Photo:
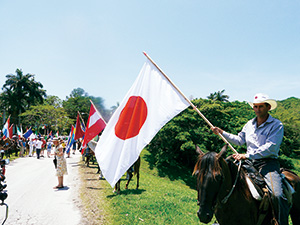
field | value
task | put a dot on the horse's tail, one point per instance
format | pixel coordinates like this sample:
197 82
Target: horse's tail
137 165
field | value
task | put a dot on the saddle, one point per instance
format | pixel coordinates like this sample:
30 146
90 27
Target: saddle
257 184
260 192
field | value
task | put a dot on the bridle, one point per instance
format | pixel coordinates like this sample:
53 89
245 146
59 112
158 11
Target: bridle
225 199
234 184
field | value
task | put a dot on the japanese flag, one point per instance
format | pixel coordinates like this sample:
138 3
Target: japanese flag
150 103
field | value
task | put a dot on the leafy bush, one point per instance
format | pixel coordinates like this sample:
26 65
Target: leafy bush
174 144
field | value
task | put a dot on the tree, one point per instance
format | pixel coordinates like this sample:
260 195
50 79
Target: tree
53 100
19 93
218 96
47 115
79 101
288 112
114 108
174 145
99 103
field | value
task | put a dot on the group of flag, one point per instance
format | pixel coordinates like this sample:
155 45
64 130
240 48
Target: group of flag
151 102
7 131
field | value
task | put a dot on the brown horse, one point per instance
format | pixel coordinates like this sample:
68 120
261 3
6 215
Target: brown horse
215 179
136 170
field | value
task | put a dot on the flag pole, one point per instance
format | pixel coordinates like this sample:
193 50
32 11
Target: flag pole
191 104
80 117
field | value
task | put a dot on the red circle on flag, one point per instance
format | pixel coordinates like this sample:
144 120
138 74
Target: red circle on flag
132 118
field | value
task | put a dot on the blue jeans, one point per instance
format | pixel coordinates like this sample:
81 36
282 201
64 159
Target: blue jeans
270 170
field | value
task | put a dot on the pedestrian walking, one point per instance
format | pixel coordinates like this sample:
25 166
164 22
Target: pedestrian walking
31 144
43 146
61 169
63 144
34 145
22 143
49 147
74 147
38 145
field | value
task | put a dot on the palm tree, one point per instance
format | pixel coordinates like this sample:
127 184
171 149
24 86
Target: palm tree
19 93
218 96
212 96
114 108
221 97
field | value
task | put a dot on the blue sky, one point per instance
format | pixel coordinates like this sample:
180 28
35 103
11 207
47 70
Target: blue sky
244 47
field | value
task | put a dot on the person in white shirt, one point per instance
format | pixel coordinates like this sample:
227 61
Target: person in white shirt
38 146
263 136
31 144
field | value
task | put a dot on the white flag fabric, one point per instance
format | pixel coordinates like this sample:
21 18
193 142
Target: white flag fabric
150 103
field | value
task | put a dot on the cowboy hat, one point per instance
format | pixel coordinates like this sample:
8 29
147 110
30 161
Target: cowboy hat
263 98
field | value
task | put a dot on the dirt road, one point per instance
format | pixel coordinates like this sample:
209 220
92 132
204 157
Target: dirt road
31 197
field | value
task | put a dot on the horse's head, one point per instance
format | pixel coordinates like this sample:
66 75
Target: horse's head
210 178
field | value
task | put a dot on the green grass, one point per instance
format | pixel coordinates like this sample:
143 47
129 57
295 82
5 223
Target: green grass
159 200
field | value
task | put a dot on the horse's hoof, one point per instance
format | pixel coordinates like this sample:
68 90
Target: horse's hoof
116 192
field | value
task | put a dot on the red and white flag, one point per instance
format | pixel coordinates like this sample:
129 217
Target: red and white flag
10 131
78 132
5 129
94 126
150 103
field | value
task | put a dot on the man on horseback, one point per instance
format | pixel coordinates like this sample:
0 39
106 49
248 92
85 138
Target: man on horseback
263 136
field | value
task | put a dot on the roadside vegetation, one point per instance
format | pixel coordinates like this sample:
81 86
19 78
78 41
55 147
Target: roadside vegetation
159 200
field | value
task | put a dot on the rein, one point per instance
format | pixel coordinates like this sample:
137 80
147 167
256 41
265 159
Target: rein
232 189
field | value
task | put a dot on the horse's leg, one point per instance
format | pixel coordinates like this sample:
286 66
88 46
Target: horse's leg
137 172
130 177
117 188
94 159
137 180
295 210
87 160
100 172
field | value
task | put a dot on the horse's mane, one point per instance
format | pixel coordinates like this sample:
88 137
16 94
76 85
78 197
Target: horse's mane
209 163
205 164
